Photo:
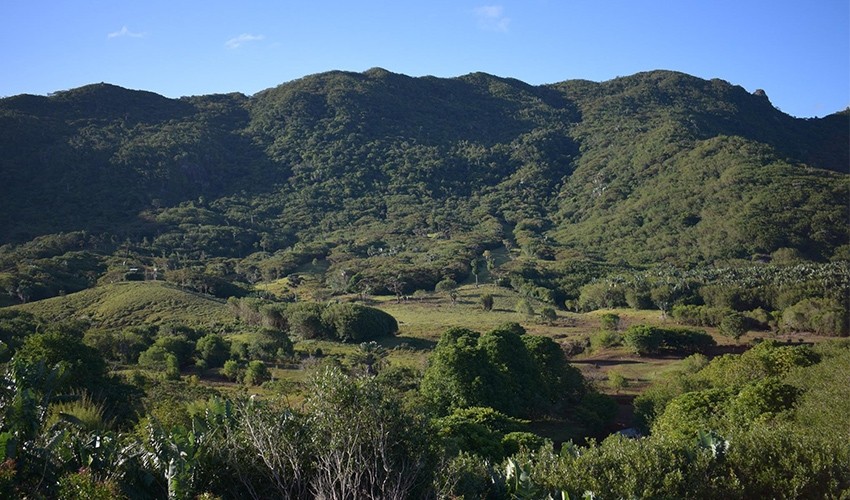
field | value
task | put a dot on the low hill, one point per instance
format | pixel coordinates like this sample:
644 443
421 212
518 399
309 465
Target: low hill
132 303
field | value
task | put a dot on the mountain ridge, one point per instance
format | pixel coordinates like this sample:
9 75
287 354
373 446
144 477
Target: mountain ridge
386 175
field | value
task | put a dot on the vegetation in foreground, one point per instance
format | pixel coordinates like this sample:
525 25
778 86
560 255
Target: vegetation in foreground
363 421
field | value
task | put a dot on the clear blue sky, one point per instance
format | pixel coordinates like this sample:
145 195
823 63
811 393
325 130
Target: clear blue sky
797 51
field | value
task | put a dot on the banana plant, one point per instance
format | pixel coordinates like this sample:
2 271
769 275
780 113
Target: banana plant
178 453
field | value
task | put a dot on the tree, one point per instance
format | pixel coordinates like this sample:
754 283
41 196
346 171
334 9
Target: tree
502 369
524 307
549 315
371 355
475 267
488 258
456 371
231 369
83 366
448 286
256 373
212 349
479 430
172 367
365 443
356 322
662 296
692 412
734 325
305 320
397 285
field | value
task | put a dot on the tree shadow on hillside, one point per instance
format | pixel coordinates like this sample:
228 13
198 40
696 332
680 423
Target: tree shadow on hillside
412 343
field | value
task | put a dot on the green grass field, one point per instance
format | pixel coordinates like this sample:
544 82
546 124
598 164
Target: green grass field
132 303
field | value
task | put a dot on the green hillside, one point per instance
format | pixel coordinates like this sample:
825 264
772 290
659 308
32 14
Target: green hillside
133 303
392 183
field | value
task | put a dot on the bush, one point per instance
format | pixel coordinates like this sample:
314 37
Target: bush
515 374
691 412
638 299
357 323
596 411
256 373
549 315
617 381
610 321
154 358
305 320
212 349
178 345
699 315
645 339
513 442
524 307
487 302
600 295
479 430
734 325
231 370
605 339
821 316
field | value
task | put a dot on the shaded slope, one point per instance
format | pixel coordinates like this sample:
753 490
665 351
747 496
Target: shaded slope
396 176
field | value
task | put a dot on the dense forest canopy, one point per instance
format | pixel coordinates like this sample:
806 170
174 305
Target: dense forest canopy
384 175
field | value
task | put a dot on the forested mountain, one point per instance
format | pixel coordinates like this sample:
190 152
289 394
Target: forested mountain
396 182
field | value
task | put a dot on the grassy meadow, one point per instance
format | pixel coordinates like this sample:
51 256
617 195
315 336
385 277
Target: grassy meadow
422 318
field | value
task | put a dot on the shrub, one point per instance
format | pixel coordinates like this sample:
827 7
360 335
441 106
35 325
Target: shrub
513 442
600 295
515 374
734 325
256 373
154 358
605 339
357 323
212 349
617 381
549 315
638 299
305 320
821 316
596 411
691 412
687 314
524 307
610 321
231 369
645 339
487 302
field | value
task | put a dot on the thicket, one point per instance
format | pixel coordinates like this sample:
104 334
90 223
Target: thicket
800 297
767 423
519 375
345 322
646 339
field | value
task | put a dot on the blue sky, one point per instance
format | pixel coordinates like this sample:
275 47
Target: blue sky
798 52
